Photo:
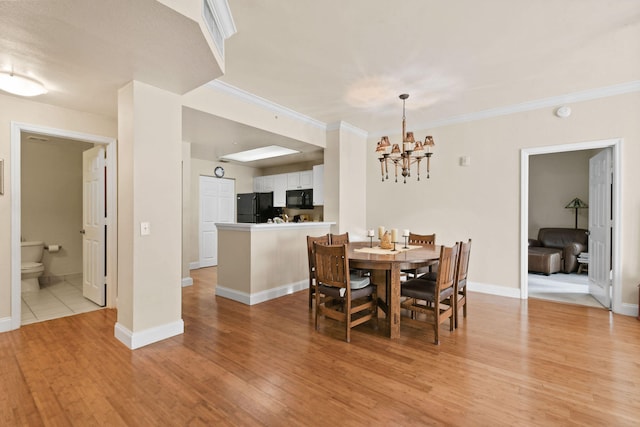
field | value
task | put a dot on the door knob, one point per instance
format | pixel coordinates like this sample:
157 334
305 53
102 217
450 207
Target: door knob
81 231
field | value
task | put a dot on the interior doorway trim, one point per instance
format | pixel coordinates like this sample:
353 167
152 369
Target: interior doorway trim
616 146
112 209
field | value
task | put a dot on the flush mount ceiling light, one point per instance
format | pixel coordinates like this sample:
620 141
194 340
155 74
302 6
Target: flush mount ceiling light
259 154
20 85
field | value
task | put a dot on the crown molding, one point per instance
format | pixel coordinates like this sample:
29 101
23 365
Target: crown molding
225 19
587 95
347 127
264 103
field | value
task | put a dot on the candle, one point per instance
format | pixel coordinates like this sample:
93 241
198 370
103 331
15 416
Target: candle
394 234
370 233
380 232
405 233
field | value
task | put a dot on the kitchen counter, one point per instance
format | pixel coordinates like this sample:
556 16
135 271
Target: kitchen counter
259 262
274 226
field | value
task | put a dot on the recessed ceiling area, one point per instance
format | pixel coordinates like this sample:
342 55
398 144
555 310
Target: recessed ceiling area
212 137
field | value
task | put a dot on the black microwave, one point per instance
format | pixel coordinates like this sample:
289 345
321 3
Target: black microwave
300 199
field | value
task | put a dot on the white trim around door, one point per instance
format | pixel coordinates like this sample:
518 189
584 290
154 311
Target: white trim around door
112 209
616 146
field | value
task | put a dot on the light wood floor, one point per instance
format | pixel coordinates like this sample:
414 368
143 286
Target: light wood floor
509 363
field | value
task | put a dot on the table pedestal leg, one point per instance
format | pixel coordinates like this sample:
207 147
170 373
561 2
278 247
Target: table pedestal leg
394 302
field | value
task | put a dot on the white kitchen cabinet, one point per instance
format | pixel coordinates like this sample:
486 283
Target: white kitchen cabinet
280 190
268 184
318 185
258 184
300 180
306 179
293 181
263 184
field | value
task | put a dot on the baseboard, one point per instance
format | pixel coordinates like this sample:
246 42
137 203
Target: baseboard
486 288
625 308
134 340
187 281
194 265
628 309
6 324
257 298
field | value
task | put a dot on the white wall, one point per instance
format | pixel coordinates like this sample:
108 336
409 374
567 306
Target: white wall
149 190
345 180
554 181
243 109
482 201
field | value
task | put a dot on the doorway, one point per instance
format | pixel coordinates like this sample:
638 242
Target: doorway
615 146
17 130
217 204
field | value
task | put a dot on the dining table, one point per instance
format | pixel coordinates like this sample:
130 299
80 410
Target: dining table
387 265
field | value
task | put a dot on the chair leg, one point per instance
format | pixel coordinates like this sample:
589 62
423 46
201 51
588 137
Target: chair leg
464 307
347 311
318 308
374 299
311 293
436 323
455 310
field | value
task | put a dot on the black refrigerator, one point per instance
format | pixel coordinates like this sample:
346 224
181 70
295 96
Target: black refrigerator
255 207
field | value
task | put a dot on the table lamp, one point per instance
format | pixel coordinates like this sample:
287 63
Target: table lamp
576 204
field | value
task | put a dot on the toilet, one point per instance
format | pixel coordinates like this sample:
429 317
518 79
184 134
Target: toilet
31 267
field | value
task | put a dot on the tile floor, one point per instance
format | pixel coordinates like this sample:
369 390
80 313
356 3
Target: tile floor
570 288
63 298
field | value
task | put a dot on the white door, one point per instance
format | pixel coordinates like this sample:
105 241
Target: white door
93 225
217 204
600 223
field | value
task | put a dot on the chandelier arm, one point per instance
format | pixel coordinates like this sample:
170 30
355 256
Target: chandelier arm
386 168
395 162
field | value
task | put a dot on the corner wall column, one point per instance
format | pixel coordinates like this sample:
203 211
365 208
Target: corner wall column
149 191
345 179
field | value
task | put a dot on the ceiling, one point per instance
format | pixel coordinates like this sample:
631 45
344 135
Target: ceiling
330 60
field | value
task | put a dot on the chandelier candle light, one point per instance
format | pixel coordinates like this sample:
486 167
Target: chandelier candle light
410 153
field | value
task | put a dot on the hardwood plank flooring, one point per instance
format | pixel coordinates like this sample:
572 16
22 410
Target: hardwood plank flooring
510 362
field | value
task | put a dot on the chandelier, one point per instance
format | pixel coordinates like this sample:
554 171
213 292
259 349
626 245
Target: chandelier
410 153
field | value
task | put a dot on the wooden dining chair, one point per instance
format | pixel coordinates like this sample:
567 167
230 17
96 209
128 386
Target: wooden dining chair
348 299
323 240
462 270
436 298
423 240
339 239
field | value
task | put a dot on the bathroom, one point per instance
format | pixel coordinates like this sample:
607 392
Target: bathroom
51 212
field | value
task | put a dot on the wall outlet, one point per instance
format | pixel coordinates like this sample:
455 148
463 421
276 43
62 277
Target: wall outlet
145 228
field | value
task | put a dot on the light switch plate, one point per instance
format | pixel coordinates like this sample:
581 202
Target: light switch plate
145 228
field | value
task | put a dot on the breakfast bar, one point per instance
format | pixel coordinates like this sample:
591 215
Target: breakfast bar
259 262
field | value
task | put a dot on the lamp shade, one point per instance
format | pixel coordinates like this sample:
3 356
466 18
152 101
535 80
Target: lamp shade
576 204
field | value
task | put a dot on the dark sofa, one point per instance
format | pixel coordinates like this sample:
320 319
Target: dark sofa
557 249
